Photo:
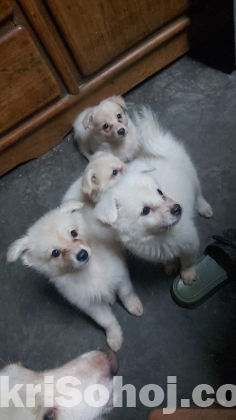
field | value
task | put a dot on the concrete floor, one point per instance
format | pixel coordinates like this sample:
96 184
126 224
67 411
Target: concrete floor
42 331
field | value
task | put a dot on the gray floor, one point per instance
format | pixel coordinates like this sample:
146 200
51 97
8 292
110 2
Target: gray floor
42 331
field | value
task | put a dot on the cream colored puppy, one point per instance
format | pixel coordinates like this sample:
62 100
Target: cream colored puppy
152 207
52 402
83 261
107 127
102 172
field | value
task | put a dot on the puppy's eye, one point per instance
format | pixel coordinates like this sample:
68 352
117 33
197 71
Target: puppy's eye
119 116
74 233
56 253
115 172
146 210
159 191
105 126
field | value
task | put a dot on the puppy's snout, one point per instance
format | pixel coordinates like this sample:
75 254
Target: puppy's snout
82 255
176 210
121 132
113 361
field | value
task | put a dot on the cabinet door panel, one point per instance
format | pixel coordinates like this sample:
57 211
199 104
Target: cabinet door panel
98 31
5 9
26 83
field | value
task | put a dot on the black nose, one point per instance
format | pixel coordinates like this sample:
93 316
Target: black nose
82 255
176 210
121 132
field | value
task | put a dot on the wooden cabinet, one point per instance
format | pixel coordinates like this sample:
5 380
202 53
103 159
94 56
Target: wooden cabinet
59 56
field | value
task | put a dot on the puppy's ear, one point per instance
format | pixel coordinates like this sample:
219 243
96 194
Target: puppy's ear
98 154
71 206
88 120
12 370
148 169
119 101
106 209
90 182
20 249
141 168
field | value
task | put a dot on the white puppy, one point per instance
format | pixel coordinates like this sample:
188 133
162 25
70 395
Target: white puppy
90 369
152 207
101 173
107 127
84 262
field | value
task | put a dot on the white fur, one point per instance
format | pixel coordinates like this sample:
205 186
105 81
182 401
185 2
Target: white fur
90 369
91 137
158 236
98 177
91 284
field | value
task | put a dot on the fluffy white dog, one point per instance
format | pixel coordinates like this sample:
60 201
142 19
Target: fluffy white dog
83 261
102 172
90 369
107 127
152 206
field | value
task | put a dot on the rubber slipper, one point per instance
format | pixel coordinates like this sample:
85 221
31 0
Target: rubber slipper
214 270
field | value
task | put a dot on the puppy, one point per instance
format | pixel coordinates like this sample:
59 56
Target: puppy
152 207
90 369
101 173
83 261
107 127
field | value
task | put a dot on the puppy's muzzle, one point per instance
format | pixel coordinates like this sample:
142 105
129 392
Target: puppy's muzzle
176 210
82 255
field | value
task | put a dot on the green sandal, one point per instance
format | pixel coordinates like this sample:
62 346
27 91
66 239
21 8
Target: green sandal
214 270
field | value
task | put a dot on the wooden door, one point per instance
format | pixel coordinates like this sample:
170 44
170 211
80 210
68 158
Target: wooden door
98 31
5 9
26 83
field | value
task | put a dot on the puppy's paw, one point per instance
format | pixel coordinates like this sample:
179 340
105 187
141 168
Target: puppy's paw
171 267
188 275
134 306
115 339
205 209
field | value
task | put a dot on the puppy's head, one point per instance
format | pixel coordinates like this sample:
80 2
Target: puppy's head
137 207
69 395
102 172
56 244
108 119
